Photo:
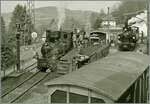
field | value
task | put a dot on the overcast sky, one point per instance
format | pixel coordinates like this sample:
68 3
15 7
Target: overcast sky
8 6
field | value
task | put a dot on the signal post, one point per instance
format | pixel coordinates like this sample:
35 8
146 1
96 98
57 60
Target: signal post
18 33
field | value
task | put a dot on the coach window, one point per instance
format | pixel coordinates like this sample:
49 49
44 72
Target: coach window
97 100
76 98
59 97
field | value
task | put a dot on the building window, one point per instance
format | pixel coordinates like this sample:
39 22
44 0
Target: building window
65 36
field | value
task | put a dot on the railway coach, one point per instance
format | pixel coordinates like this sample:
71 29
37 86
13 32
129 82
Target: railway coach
118 78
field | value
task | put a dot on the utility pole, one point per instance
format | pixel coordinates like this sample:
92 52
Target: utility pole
108 26
30 9
148 28
18 46
31 13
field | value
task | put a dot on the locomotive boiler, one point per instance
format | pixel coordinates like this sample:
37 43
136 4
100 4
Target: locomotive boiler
57 44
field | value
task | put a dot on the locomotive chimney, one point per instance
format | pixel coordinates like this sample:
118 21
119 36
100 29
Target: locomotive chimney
60 29
60 33
48 33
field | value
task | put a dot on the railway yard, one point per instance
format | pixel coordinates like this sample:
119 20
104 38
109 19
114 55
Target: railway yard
29 86
82 56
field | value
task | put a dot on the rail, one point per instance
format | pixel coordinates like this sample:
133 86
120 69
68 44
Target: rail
31 66
16 98
10 71
23 81
19 84
36 78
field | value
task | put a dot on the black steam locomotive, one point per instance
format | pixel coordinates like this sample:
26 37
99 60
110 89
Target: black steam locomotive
57 44
127 40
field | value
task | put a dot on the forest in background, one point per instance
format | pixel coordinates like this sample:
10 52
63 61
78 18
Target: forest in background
128 6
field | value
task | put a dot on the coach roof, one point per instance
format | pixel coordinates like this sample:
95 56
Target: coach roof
110 76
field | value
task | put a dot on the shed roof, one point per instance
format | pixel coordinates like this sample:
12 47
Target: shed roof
110 76
99 32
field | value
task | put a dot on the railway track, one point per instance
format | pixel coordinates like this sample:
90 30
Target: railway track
23 87
29 68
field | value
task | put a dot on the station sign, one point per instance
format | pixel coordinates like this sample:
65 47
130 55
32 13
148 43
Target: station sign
34 35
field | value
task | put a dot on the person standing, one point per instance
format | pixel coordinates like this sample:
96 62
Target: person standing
74 38
74 63
142 37
81 38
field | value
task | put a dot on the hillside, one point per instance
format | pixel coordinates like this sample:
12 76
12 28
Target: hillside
45 15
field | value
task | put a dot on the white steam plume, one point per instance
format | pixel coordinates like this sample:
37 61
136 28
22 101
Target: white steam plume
140 21
88 24
61 13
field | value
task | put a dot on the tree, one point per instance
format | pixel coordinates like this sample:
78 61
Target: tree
3 31
7 57
20 16
96 19
29 27
102 13
128 6
70 23
97 23
93 18
8 46
6 50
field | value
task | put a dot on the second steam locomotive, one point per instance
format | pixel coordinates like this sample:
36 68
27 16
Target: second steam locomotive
127 40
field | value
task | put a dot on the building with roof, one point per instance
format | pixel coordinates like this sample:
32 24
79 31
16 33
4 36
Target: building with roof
108 20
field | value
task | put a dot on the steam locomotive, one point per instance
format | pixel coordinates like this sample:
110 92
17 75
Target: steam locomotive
56 45
127 40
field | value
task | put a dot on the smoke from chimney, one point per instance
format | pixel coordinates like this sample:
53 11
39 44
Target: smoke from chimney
61 14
